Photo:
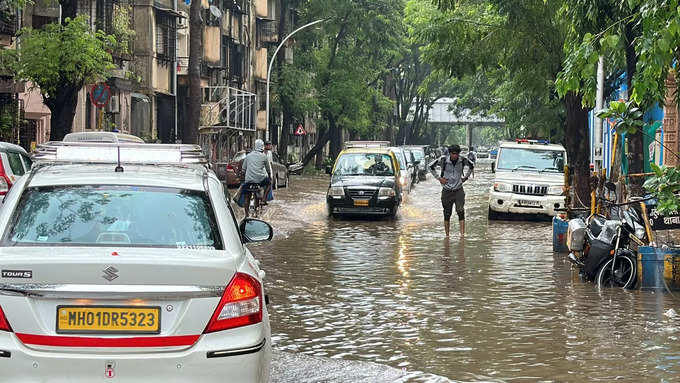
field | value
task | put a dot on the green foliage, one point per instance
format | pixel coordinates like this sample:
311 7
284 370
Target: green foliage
58 56
628 116
664 186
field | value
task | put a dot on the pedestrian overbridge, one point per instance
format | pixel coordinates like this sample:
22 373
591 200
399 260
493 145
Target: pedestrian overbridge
441 114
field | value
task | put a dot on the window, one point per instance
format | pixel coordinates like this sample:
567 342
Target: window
364 164
122 215
166 36
27 162
236 61
15 163
261 89
224 51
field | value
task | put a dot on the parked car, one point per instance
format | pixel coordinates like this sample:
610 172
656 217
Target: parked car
405 171
411 161
419 154
102 137
124 269
528 179
15 163
364 182
280 177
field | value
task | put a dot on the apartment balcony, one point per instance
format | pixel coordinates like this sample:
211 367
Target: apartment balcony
8 26
267 31
227 108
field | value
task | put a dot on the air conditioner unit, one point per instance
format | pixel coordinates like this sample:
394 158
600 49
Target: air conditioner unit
113 105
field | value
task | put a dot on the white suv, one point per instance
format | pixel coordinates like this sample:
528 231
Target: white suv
126 261
529 179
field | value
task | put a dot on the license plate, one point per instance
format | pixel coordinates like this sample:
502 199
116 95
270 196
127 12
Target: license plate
529 203
361 202
108 320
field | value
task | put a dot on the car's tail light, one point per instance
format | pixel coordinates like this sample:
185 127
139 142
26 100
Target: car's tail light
5 183
4 324
241 305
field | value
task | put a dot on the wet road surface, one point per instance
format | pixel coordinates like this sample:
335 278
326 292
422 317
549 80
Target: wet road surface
496 306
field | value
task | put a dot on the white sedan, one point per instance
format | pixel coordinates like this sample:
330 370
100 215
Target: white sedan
130 270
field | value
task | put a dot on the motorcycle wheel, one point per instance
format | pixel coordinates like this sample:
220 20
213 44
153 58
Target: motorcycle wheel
623 276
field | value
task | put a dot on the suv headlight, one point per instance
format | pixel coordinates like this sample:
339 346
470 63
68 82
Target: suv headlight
336 191
555 190
502 187
386 192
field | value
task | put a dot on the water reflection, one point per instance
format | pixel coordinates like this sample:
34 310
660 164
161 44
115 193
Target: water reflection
496 306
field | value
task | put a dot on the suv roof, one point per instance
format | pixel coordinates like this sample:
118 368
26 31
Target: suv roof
524 145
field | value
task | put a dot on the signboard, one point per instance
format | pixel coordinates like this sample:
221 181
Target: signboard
100 95
663 222
300 131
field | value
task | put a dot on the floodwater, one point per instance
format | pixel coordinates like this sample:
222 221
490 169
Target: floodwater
496 306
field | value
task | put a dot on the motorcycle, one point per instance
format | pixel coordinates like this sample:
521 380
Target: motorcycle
603 248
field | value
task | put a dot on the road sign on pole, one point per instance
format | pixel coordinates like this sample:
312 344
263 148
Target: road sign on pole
100 95
300 131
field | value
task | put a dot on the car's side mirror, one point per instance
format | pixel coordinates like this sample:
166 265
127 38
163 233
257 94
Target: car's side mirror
417 163
255 230
329 170
493 167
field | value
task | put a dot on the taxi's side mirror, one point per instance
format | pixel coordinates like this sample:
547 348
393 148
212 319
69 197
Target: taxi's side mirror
329 170
255 230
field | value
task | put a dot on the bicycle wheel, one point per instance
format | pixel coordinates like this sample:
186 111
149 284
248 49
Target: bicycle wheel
622 275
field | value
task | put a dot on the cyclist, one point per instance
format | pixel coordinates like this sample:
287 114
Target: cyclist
257 174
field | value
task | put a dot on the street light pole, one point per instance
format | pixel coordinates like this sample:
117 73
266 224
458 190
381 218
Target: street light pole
271 64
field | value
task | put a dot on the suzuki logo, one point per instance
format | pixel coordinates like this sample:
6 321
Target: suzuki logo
110 273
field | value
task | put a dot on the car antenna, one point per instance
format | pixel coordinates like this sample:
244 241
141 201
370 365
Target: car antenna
119 169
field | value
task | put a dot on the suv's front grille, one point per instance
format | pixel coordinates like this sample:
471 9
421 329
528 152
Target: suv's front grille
361 193
530 189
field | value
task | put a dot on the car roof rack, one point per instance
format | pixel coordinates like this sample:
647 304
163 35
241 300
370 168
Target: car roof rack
111 137
367 144
115 153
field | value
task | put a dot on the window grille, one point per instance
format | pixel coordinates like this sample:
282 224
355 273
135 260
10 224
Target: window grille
166 36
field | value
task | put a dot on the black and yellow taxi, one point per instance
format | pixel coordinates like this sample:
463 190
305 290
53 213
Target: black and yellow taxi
364 181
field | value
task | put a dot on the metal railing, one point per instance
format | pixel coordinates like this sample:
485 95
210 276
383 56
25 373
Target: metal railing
225 107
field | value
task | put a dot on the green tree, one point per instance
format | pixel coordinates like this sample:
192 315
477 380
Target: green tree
349 56
518 46
61 60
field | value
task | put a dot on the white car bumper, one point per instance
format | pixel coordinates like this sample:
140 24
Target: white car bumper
212 358
525 204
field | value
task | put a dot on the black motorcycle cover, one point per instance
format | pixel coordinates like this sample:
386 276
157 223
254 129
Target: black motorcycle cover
599 253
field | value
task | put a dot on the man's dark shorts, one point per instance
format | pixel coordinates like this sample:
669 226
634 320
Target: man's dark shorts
451 197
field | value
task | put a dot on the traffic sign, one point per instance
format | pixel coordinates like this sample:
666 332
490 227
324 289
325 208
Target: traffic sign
100 95
300 131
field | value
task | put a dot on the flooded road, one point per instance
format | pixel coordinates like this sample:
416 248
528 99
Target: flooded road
496 306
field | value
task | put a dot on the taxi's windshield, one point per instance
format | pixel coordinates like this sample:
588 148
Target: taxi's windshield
114 215
364 164
531 160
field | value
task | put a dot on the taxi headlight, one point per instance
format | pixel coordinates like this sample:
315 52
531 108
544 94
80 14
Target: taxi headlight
336 191
386 192
502 187
555 190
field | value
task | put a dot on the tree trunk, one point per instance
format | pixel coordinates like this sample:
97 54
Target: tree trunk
577 145
335 136
320 143
63 108
193 121
282 140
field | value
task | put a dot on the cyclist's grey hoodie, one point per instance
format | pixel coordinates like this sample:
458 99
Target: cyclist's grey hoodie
255 165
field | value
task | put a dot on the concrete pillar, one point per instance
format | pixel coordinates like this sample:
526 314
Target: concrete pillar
670 122
468 135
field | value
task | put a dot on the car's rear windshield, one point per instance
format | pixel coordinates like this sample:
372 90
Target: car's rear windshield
419 154
114 215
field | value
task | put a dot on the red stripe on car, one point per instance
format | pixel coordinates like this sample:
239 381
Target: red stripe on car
73 341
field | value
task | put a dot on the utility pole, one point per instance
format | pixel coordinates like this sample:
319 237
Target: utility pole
193 121
599 104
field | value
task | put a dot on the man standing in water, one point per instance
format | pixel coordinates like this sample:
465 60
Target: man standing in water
452 179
